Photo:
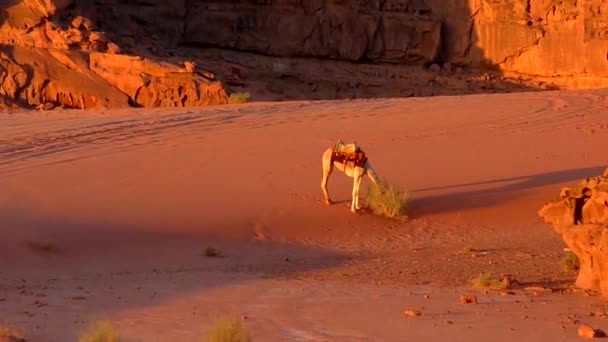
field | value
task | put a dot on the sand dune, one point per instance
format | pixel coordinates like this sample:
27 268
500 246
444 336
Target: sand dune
130 198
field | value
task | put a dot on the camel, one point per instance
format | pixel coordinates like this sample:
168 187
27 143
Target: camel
351 160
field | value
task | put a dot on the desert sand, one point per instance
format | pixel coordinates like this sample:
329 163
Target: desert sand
107 214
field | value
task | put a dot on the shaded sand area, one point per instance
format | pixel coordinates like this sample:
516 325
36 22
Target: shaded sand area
108 215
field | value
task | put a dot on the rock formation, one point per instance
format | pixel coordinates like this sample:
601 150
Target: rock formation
559 44
580 215
540 37
386 48
48 61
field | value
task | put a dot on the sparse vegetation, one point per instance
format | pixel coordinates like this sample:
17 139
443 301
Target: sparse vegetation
487 280
101 331
44 246
388 200
211 252
468 250
236 98
570 262
464 299
10 334
228 330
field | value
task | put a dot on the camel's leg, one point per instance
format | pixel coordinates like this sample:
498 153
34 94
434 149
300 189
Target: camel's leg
324 180
356 185
327 169
357 206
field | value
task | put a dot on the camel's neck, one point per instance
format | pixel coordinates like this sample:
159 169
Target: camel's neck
372 174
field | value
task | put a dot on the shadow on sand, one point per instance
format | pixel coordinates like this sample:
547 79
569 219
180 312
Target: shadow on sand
147 267
473 199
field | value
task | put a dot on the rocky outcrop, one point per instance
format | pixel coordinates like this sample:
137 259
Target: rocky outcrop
154 83
47 78
365 30
29 24
580 215
561 43
400 32
35 77
49 57
537 37
540 37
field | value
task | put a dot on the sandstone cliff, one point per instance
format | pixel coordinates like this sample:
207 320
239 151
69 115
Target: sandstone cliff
541 37
51 57
314 49
580 215
306 49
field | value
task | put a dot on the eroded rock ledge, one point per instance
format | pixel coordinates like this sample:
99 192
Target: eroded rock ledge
289 49
580 215
47 61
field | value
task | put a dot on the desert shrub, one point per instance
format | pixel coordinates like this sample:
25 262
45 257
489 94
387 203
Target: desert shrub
239 98
228 330
487 280
468 250
211 252
100 331
387 200
43 246
570 262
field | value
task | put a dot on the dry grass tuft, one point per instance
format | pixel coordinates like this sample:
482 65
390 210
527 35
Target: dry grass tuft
487 280
211 252
570 262
388 200
228 330
236 98
468 250
101 331
43 246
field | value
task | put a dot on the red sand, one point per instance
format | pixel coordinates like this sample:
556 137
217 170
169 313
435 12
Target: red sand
131 198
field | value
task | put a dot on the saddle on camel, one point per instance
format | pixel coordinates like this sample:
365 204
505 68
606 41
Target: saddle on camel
348 153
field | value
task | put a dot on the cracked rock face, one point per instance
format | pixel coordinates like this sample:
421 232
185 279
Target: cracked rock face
542 38
538 37
51 57
580 215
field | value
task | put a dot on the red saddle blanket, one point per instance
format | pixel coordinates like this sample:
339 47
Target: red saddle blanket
357 158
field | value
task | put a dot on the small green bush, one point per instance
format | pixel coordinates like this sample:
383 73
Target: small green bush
388 200
487 280
211 252
101 331
43 246
228 330
236 98
468 250
570 262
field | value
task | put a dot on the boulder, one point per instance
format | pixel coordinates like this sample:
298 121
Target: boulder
587 331
580 216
